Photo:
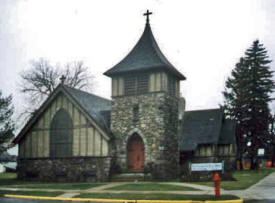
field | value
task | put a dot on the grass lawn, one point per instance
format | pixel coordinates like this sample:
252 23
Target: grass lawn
151 187
61 186
34 193
9 176
9 179
245 179
160 196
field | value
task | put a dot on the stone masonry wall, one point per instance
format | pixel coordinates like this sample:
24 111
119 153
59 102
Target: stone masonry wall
79 169
157 125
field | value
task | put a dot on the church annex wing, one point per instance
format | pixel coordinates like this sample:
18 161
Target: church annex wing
202 127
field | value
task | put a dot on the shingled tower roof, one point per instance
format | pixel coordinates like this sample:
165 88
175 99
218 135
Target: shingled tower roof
146 55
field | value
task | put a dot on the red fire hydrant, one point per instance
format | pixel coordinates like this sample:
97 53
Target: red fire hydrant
217 182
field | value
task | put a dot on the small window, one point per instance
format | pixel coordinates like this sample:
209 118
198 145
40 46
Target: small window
136 113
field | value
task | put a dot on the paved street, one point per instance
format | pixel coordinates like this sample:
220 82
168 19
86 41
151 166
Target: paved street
8 200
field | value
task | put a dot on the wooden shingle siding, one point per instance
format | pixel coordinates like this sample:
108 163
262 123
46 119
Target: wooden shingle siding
40 143
225 150
114 87
117 86
120 86
171 86
90 140
85 141
161 81
21 149
34 144
76 142
158 82
142 83
136 84
104 148
152 83
164 82
28 146
46 149
177 88
130 85
205 151
97 143
147 82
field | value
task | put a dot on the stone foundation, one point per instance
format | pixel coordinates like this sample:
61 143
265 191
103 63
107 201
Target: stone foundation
78 169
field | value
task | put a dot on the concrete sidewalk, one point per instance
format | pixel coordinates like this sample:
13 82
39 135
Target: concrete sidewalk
264 189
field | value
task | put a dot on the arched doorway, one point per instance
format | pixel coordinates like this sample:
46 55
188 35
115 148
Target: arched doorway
135 153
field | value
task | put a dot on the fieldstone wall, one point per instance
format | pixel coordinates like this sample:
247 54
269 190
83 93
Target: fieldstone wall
158 127
78 169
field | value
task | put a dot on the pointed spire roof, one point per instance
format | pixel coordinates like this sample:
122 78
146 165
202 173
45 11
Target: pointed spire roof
145 56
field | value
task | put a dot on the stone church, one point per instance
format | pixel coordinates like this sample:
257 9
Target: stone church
78 136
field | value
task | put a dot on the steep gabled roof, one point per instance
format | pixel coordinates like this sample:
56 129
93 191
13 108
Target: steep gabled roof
146 55
200 127
94 106
228 129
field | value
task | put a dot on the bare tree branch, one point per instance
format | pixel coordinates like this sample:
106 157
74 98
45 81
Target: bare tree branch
38 82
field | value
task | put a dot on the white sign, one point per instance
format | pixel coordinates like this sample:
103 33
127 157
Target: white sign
260 152
207 167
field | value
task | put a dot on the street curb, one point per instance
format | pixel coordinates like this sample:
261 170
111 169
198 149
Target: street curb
118 200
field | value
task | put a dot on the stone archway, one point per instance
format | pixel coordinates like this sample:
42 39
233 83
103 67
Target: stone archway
135 153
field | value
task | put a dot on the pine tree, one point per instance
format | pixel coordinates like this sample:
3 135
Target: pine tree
247 96
6 123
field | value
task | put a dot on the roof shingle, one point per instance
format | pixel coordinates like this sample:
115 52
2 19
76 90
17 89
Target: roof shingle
146 55
205 127
97 107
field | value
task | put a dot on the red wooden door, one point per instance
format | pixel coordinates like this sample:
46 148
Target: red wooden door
136 156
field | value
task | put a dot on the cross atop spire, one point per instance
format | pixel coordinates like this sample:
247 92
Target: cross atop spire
147 15
62 79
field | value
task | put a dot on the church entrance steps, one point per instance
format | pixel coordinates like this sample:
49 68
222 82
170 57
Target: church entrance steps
131 177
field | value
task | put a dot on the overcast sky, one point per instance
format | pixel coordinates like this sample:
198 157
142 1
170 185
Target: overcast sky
202 38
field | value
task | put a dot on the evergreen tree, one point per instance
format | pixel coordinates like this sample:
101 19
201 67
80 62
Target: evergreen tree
6 123
247 95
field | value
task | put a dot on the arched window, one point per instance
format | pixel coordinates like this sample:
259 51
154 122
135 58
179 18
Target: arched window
61 134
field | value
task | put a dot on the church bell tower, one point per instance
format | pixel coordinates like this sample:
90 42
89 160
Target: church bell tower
144 114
